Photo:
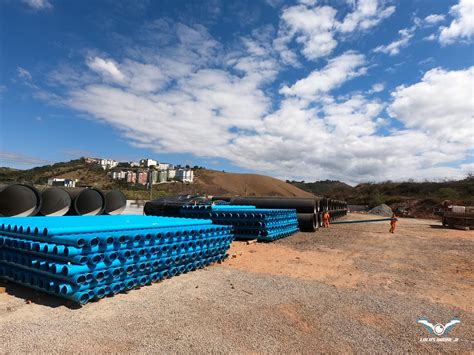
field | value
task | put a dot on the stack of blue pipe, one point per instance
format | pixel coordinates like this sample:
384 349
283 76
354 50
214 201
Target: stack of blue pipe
84 258
248 222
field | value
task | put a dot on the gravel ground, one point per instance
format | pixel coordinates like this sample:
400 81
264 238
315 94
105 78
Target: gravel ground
352 288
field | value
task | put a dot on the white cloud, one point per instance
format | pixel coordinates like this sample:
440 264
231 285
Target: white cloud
315 28
378 87
24 74
187 96
107 68
38 4
367 14
433 19
393 48
462 27
440 105
17 159
431 37
312 27
335 73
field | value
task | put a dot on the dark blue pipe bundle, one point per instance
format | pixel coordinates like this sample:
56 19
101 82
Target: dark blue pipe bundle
83 258
248 222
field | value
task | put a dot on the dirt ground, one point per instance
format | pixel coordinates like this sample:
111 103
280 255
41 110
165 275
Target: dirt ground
350 288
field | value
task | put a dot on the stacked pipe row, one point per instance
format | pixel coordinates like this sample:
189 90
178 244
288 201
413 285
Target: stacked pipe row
306 208
20 200
248 222
84 258
336 208
309 210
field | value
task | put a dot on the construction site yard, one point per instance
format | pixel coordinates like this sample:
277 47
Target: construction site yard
349 288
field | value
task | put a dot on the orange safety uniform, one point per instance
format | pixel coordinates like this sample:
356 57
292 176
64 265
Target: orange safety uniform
393 224
326 218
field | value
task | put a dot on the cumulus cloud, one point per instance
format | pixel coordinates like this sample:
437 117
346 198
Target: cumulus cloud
192 94
462 27
312 27
38 4
106 67
316 28
367 14
449 116
336 72
433 19
393 48
377 87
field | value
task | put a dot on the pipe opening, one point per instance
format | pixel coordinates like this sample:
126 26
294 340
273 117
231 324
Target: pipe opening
89 202
56 202
19 200
115 202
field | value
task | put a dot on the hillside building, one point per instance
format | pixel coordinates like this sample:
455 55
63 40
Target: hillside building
162 176
131 177
153 177
119 175
185 175
171 174
142 178
62 182
147 163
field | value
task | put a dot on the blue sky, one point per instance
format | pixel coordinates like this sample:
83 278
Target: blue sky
352 90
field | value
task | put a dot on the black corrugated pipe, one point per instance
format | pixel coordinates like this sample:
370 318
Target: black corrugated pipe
19 200
56 202
86 202
158 208
302 205
307 222
222 198
115 202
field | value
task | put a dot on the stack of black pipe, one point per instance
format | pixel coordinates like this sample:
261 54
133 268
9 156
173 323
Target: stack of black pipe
306 208
336 208
309 209
21 200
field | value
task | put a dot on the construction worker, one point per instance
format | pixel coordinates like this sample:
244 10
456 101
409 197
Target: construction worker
393 223
326 218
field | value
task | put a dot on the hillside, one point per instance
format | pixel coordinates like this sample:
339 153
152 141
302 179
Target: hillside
206 181
335 189
418 197
220 183
88 174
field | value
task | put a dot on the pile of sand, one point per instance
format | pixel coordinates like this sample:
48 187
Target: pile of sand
382 210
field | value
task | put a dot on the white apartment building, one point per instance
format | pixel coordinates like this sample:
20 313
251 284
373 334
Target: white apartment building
108 163
171 174
163 166
185 175
119 175
148 163
62 182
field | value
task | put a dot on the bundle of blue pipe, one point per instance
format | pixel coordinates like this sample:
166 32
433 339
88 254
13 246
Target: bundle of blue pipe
248 222
84 258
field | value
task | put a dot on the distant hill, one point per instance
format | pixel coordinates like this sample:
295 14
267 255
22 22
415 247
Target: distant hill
229 184
206 181
418 197
88 174
335 189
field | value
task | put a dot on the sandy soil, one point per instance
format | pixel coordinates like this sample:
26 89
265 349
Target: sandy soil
350 288
421 259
